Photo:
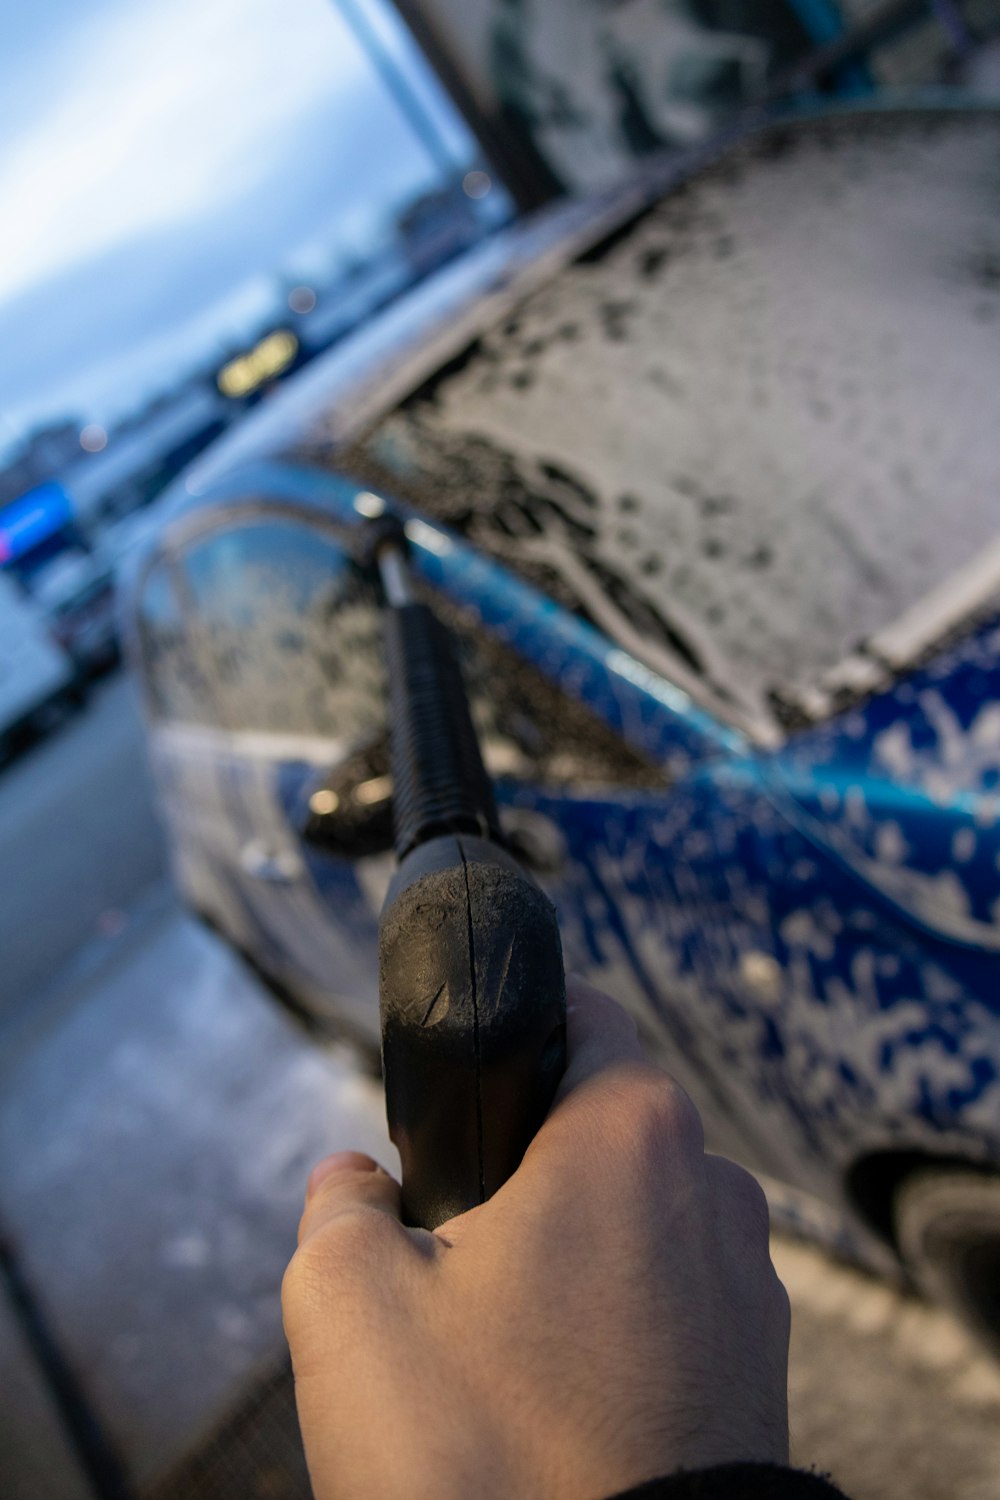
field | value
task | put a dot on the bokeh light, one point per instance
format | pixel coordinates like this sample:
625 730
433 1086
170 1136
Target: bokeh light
93 438
476 184
302 299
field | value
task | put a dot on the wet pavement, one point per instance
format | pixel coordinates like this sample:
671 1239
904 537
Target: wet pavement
79 839
36 1457
156 1142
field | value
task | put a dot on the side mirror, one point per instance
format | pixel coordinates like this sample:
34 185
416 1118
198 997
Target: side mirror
349 811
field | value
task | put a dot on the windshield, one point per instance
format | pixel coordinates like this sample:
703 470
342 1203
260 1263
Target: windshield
756 428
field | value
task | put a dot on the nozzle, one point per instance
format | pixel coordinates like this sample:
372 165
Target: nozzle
384 549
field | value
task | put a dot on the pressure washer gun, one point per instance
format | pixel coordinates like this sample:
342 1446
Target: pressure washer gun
471 983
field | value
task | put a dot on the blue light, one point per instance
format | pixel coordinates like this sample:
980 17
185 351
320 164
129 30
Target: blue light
32 519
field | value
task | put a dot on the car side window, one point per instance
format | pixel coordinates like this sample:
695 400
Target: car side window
265 625
174 690
281 634
283 630
529 729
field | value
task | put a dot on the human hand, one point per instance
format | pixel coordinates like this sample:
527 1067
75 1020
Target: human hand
610 1315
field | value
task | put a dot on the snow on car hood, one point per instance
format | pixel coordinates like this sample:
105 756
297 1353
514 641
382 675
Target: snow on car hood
756 427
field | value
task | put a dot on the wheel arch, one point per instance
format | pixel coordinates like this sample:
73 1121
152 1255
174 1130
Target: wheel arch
873 1182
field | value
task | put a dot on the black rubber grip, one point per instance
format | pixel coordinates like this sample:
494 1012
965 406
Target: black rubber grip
473 1009
440 784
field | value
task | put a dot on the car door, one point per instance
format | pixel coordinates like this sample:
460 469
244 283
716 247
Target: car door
248 703
261 653
272 759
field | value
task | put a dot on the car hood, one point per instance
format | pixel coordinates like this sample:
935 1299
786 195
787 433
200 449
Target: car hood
905 790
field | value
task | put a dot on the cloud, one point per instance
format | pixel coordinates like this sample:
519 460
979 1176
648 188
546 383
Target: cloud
159 161
159 120
104 330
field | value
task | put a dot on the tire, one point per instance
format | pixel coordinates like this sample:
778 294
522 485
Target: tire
948 1232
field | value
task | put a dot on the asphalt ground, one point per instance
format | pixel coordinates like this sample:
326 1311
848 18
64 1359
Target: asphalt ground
79 842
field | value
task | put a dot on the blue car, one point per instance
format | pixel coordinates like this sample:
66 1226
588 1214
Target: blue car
706 477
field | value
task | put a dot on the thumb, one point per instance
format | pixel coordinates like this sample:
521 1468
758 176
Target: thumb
600 1032
343 1183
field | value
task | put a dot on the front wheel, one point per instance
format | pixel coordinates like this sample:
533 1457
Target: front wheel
948 1231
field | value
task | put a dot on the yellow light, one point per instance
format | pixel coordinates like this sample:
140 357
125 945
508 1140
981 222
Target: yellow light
248 371
376 790
324 802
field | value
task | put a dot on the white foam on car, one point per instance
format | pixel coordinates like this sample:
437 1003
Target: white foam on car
789 372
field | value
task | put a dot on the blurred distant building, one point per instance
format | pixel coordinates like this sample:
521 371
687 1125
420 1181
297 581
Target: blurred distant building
45 453
436 227
133 465
139 461
352 298
36 528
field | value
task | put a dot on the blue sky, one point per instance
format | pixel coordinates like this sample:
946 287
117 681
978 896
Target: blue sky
159 161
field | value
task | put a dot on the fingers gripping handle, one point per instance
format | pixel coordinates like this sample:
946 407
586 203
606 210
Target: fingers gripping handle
473 1021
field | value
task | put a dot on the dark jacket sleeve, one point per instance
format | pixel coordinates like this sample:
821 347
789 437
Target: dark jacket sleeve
737 1482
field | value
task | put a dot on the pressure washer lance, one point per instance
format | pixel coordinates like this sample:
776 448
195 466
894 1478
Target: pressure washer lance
471 984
